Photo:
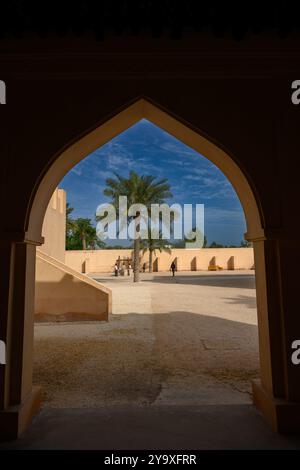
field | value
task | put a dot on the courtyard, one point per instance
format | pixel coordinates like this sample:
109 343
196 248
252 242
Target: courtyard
187 340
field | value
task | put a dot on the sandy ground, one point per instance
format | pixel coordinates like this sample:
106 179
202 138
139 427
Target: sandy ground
186 340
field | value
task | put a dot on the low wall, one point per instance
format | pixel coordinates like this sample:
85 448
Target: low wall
97 261
62 294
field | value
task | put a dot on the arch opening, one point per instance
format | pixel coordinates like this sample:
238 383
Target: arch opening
144 109
122 121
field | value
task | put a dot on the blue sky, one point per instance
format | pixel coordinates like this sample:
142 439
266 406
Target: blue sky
147 149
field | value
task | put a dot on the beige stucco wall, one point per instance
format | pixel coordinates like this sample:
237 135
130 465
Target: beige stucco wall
93 261
64 294
54 229
54 226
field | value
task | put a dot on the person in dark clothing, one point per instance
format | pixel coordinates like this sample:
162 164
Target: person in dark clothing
173 268
116 269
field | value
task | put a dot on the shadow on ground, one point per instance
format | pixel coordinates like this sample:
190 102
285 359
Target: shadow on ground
242 300
137 359
125 428
162 381
244 281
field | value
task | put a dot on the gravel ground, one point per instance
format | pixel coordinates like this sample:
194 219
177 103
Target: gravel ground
182 341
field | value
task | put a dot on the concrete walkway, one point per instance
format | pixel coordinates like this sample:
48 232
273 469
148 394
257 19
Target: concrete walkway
116 428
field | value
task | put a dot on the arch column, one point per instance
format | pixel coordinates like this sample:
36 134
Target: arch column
277 393
18 400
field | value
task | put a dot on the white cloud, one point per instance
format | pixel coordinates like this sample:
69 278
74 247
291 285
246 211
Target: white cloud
176 148
117 156
177 162
77 171
104 174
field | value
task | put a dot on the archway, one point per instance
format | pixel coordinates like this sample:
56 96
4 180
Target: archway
143 108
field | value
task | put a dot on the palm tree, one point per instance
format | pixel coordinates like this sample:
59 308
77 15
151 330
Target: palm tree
139 189
85 231
70 223
80 233
153 245
70 227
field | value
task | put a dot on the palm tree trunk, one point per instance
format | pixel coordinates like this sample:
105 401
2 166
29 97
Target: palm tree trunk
83 243
136 260
150 261
136 253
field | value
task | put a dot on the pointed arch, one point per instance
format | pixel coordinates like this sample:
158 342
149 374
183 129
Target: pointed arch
144 108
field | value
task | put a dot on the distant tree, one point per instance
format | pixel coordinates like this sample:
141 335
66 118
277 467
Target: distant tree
87 234
70 223
216 245
71 243
82 236
245 244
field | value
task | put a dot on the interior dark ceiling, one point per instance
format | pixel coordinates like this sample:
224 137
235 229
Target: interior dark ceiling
155 18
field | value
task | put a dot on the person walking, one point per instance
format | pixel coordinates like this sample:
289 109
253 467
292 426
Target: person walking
116 269
173 268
